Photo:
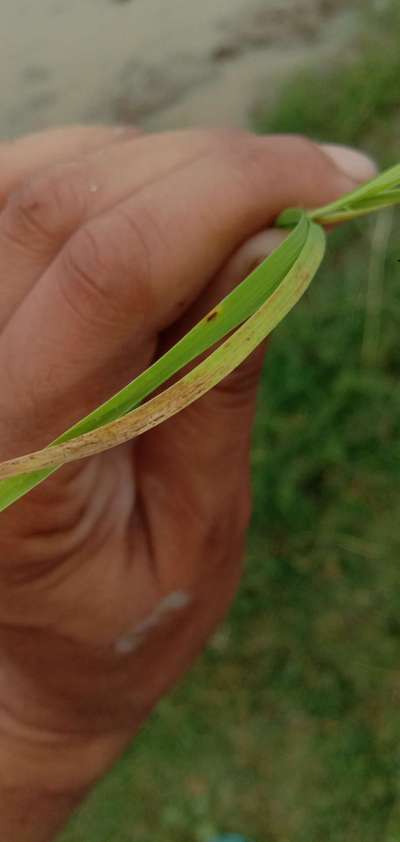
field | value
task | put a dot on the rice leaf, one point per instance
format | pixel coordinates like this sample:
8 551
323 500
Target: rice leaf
248 314
382 191
275 284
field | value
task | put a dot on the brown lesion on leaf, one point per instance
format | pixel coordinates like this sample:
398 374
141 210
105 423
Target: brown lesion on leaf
211 316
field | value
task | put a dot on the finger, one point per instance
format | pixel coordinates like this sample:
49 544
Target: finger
40 217
129 272
194 469
22 158
51 207
27 247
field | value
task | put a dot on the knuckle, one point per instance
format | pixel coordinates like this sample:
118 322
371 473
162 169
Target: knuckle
83 279
135 237
48 204
105 275
83 255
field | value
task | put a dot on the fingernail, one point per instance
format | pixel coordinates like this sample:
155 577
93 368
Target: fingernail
352 163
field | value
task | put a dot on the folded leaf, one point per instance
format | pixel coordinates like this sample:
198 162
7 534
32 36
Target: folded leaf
247 315
257 304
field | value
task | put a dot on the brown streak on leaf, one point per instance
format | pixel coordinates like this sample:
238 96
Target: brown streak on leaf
211 316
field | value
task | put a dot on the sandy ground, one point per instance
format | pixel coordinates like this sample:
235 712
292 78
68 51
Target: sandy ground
159 63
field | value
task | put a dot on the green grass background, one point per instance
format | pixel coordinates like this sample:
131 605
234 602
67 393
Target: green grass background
288 729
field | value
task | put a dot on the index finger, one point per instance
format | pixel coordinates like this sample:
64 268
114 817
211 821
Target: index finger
21 158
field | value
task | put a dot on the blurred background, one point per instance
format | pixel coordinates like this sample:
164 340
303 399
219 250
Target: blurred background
288 728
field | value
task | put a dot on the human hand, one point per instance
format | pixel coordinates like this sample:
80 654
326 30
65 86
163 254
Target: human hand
114 573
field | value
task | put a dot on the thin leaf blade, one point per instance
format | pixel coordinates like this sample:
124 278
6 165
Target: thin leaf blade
197 382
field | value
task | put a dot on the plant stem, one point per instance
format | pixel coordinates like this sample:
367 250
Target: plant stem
381 231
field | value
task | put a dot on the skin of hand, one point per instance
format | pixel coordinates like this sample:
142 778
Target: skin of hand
114 573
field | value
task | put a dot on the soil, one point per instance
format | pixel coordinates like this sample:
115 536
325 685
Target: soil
157 63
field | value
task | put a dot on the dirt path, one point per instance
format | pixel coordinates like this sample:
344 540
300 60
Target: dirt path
156 62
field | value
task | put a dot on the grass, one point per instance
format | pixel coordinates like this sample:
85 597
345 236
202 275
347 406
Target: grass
288 729
357 100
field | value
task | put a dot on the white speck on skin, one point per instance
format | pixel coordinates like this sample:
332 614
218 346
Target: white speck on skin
126 645
175 601
93 188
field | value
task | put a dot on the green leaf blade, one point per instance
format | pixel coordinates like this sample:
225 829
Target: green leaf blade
203 377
